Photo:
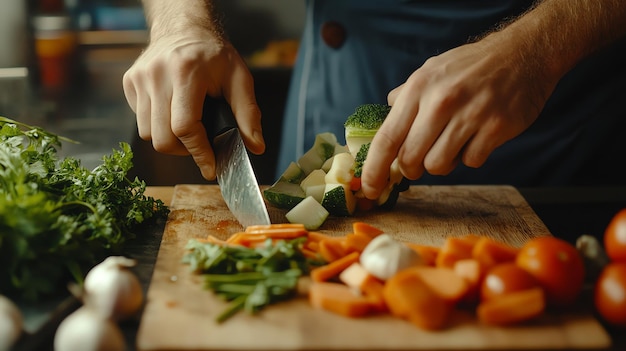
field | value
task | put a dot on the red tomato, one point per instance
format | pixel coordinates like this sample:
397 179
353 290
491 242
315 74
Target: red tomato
557 265
610 294
615 237
506 278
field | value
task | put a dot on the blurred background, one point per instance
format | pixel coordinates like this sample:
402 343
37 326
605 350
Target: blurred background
62 62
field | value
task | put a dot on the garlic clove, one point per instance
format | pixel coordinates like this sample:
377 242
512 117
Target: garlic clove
87 330
383 257
11 323
112 289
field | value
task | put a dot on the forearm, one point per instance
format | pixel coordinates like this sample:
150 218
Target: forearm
165 17
560 33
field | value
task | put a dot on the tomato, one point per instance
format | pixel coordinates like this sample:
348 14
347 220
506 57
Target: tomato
505 278
558 267
610 294
615 237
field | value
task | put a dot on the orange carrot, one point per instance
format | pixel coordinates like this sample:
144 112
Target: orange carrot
273 226
283 231
443 281
357 242
427 252
332 249
338 298
512 308
246 239
318 236
408 297
366 229
454 249
334 268
355 183
473 272
490 252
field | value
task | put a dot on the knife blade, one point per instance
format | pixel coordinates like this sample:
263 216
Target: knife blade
235 175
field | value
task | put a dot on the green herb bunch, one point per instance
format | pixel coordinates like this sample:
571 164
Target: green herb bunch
58 219
250 278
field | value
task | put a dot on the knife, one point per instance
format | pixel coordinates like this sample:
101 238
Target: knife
235 175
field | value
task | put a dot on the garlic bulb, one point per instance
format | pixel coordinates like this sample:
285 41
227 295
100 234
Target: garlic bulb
383 257
112 289
11 323
87 330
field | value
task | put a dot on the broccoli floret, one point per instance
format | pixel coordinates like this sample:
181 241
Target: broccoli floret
359 160
367 117
362 125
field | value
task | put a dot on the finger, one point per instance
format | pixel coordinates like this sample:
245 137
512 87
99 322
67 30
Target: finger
393 95
444 154
240 95
384 147
186 109
143 116
481 145
129 91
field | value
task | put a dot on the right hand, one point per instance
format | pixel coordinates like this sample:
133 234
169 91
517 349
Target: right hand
166 87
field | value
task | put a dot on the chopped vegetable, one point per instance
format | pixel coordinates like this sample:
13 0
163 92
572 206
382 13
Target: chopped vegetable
340 299
384 257
512 308
339 200
361 126
308 212
334 268
58 219
284 194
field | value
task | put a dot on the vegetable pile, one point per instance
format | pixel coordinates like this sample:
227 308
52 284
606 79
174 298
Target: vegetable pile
58 219
326 180
367 272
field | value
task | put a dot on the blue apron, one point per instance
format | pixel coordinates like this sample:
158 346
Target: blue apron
355 51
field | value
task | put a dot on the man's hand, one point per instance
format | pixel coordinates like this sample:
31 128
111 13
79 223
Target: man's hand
167 85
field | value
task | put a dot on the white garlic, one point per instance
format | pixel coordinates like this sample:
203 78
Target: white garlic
11 323
87 330
383 257
112 289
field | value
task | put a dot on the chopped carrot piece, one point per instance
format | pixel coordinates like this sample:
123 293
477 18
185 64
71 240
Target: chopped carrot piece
359 279
443 281
276 231
334 268
318 236
512 308
408 297
357 242
473 272
366 229
454 249
427 252
246 239
274 226
338 298
312 254
355 183
332 249
490 252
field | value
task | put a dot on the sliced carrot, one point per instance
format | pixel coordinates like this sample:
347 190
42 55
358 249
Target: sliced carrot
512 308
312 254
359 279
274 226
278 232
427 252
318 236
366 229
357 242
246 239
408 297
490 252
443 281
473 272
355 183
454 249
332 249
338 298
334 268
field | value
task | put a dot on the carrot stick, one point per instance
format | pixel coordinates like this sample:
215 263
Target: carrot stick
454 249
512 308
338 298
334 268
357 242
279 233
273 226
490 252
318 236
427 252
332 249
408 297
443 281
366 229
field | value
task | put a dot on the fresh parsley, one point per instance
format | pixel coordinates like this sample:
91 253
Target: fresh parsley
58 219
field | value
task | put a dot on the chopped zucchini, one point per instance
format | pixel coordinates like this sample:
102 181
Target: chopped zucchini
342 169
314 184
339 200
323 148
284 194
308 212
293 173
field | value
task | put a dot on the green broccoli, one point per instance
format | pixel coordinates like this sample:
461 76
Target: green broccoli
359 160
361 126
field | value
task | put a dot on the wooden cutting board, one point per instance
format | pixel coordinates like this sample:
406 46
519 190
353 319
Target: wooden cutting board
179 313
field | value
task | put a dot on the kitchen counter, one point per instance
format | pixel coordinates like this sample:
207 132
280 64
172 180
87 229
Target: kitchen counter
567 212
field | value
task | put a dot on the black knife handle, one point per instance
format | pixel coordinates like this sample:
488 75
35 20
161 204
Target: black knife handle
217 117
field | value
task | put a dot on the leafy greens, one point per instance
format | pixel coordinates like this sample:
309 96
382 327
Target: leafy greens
58 219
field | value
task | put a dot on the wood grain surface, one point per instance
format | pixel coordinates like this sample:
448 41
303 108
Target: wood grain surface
179 313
